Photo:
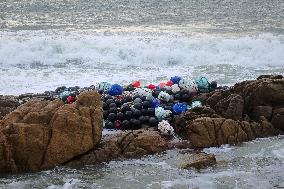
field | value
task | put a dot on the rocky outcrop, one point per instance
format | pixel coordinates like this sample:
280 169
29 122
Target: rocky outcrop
278 118
230 106
198 161
251 100
42 134
7 105
207 132
129 144
181 122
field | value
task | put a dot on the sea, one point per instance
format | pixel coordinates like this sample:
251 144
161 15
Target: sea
45 44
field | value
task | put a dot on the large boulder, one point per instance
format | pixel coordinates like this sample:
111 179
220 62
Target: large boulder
278 118
43 134
198 161
261 92
128 144
7 105
182 121
230 106
207 132
254 99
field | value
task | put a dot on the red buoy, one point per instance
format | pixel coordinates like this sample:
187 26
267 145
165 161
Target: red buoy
136 84
162 85
70 99
169 83
151 86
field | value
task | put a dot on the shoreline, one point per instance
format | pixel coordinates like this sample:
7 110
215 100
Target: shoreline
244 112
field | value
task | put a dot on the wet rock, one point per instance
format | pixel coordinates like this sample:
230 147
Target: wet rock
23 98
262 92
270 77
278 118
7 105
198 161
230 107
258 111
129 144
43 134
182 122
253 98
207 132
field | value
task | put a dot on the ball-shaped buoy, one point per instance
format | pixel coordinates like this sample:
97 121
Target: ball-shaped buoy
151 86
178 108
175 88
118 124
175 79
120 116
136 84
153 122
213 85
160 113
112 117
137 100
109 125
115 89
155 103
64 95
70 99
162 85
196 104
105 86
165 128
169 83
151 112
163 96
202 83
126 124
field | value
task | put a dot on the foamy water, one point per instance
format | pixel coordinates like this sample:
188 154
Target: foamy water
49 43
256 164
38 61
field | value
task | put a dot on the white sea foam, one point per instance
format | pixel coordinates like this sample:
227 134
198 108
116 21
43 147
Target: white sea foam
139 49
38 61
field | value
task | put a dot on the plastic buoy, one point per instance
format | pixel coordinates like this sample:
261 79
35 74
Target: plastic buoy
155 103
196 104
165 128
70 99
163 96
151 86
175 79
105 86
115 89
169 83
179 108
162 85
202 83
160 113
136 84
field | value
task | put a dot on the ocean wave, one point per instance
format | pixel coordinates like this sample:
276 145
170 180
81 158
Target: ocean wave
39 61
124 50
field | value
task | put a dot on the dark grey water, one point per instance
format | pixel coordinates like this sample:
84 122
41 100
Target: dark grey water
258 164
198 15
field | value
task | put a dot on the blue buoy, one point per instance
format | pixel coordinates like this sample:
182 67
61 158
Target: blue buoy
115 89
175 79
155 103
178 108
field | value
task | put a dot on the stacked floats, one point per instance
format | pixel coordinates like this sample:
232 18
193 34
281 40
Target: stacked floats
133 107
